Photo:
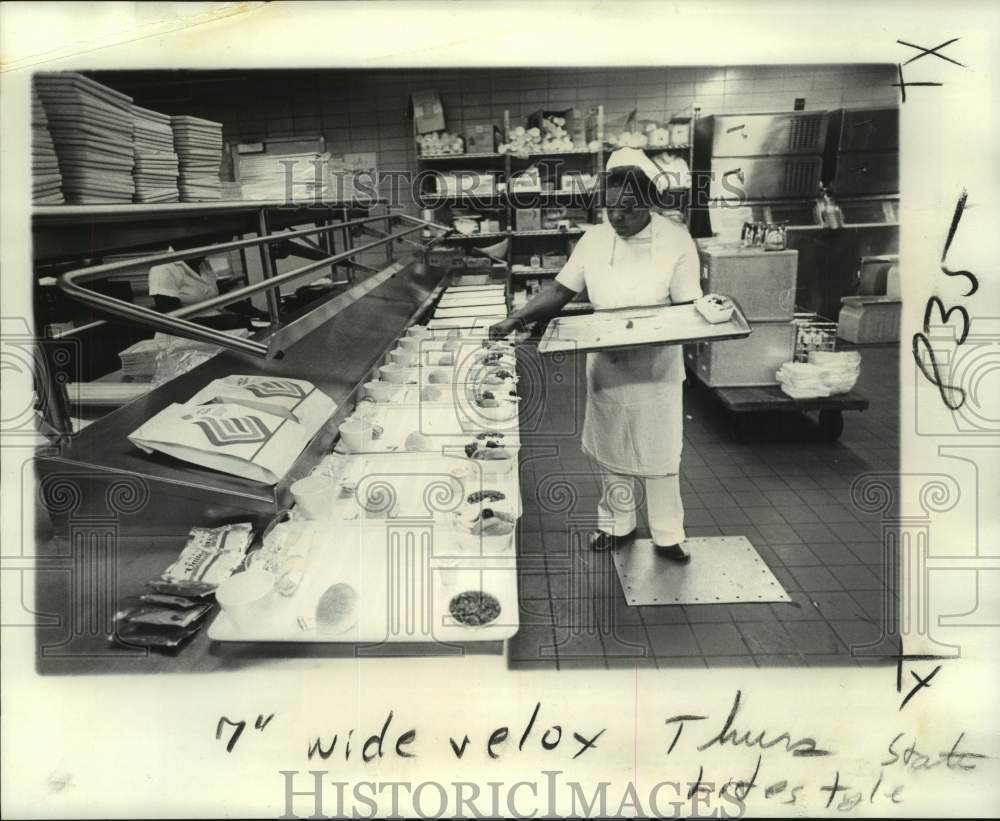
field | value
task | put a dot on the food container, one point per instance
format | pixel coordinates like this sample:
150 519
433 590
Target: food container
495 468
504 411
356 434
382 391
394 373
404 357
314 495
418 331
715 308
242 596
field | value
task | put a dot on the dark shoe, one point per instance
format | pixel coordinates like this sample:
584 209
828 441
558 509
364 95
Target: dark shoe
674 552
599 541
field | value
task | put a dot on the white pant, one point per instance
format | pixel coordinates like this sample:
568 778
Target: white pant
616 510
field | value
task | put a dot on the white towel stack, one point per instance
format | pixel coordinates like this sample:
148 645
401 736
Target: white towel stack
842 368
198 144
826 373
91 126
156 165
46 181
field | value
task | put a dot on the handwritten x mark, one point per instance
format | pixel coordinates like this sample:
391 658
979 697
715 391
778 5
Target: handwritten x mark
935 51
921 683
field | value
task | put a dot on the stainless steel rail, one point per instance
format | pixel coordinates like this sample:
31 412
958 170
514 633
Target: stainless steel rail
177 323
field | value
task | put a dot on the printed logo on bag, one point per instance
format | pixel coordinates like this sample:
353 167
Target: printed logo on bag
274 387
232 430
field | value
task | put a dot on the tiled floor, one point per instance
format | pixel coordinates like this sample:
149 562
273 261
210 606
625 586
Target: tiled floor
787 492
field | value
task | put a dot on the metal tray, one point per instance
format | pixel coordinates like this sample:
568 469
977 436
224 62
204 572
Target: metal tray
634 327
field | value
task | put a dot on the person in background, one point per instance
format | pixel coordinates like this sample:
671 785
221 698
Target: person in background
633 426
175 284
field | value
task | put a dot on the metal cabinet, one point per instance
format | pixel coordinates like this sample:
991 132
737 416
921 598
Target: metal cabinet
865 129
764 178
866 172
748 135
743 362
762 282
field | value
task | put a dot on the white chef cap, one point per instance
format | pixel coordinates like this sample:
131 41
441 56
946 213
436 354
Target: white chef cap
636 158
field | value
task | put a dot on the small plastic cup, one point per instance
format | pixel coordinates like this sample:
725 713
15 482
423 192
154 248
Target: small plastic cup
403 357
381 391
313 495
356 435
243 595
394 372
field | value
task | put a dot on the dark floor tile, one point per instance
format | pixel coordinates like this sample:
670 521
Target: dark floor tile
662 614
789 660
681 663
730 516
815 532
719 639
796 555
814 637
708 613
816 496
629 662
800 608
719 662
780 498
856 577
740 483
571 644
770 483
766 637
748 532
587 664
834 553
631 641
701 531
763 515
798 514
706 484
532 644
717 499
833 513
779 534
536 612
727 468
673 640
873 603
699 517
751 612
857 634
785 578
692 501
815 579
829 660
533 585
750 498
867 550
766 552
838 605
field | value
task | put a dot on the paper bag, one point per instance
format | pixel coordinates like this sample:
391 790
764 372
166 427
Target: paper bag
249 426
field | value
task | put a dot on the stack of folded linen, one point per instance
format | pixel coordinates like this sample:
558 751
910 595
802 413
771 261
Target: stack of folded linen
801 380
842 368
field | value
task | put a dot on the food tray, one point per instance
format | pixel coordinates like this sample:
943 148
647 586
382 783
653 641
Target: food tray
475 324
632 327
448 428
405 569
461 301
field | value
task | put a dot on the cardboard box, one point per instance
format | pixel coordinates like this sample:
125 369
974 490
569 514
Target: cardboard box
446 258
427 111
482 138
528 219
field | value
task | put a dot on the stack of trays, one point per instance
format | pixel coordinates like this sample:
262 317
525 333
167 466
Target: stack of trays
198 144
91 127
46 181
156 164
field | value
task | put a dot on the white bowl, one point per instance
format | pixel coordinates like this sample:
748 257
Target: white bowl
356 434
314 495
382 391
495 468
504 412
418 331
242 596
394 373
403 357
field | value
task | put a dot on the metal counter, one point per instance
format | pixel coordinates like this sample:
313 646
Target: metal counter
99 473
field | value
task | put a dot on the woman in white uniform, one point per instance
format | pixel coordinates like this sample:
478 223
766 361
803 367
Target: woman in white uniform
176 284
633 427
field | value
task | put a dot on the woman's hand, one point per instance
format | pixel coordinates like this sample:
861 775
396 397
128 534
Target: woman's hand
504 327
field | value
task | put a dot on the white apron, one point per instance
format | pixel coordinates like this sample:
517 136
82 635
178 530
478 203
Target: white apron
634 415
